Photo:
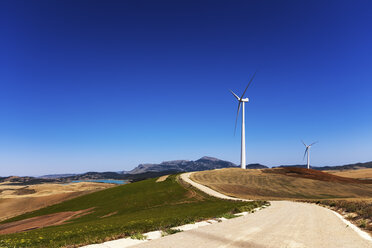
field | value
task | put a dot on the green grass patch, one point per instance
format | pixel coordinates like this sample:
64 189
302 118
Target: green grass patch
250 207
139 236
227 216
170 231
140 207
363 223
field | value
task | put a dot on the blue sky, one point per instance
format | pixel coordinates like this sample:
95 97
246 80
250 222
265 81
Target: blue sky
106 85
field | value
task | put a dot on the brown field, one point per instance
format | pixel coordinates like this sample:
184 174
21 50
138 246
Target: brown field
16 200
41 221
360 173
283 183
341 191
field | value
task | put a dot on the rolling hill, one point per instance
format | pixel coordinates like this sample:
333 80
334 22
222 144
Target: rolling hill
283 183
114 213
361 173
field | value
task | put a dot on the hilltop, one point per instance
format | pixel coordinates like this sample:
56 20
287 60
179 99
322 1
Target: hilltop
315 175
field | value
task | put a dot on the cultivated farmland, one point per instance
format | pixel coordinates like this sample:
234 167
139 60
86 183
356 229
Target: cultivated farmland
283 183
121 211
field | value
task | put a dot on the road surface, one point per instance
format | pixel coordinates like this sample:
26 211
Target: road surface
283 224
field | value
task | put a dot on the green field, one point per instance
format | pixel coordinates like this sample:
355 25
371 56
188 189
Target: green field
136 208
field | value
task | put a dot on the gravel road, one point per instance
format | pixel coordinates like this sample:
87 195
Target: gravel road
283 224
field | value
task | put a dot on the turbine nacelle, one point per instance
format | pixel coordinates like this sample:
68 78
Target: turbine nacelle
239 98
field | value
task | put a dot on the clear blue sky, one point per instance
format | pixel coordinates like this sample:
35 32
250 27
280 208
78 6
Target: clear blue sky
106 85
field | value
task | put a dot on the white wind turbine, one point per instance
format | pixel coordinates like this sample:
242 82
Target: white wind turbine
242 101
307 150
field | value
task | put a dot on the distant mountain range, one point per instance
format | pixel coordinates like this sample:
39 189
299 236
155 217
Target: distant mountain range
144 171
204 163
140 172
338 167
58 175
209 163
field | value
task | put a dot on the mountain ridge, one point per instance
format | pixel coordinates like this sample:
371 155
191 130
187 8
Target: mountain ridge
204 163
147 170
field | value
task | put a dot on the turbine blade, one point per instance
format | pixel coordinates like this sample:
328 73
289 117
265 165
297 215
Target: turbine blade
303 143
235 95
237 115
305 153
314 143
248 84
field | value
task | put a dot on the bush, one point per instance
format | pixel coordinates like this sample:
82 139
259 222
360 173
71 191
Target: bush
363 223
137 236
169 231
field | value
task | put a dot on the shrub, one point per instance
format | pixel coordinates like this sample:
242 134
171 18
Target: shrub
170 231
227 216
139 236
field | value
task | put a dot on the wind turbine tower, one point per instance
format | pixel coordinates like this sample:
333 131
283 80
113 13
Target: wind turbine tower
241 102
307 151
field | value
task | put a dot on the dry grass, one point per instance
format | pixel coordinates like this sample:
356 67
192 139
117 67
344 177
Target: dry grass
162 178
42 221
360 173
16 200
282 184
340 191
315 174
358 211
36 190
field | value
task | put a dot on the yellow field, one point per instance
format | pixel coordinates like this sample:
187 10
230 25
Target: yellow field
260 184
16 200
360 173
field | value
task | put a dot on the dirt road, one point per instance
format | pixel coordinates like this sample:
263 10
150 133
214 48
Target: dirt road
283 224
186 177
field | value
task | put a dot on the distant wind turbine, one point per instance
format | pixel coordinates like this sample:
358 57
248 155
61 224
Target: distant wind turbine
307 150
241 102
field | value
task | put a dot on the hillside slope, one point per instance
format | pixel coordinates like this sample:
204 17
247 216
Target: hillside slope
282 183
353 173
17 199
113 213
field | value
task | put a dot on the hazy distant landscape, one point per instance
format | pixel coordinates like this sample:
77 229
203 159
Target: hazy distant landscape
143 171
